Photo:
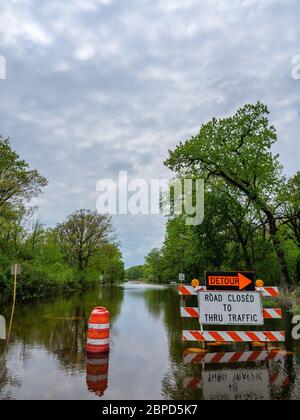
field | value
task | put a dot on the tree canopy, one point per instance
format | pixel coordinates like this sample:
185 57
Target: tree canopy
237 150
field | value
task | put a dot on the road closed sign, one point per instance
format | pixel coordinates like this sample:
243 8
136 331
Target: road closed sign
230 308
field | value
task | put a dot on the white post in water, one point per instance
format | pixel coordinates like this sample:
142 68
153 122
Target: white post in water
15 271
2 328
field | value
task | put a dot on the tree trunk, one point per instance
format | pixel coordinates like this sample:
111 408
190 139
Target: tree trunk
246 256
285 275
298 269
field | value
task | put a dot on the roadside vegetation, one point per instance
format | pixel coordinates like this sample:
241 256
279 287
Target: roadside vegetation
78 252
252 210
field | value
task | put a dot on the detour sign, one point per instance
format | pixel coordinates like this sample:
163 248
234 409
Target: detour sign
230 281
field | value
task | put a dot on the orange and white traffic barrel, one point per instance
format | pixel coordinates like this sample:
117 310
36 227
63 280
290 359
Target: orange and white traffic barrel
97 373
98 331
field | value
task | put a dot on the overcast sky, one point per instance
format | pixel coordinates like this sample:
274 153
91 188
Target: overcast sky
98 86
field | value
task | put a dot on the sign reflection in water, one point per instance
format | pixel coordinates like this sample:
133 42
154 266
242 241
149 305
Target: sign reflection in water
46 359
256 380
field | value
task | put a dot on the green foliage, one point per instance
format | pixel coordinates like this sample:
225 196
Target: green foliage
82 234
107 264
17 181
135 273
252 213
236 152
153 268
54 261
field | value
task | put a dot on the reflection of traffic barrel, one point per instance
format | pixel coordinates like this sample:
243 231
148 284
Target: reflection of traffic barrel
98 331
97 373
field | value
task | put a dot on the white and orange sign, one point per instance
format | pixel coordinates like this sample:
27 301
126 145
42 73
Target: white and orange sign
230 308
230 281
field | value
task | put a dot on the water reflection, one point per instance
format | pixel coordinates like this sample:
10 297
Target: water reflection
97 373
261 375
51 337
148 360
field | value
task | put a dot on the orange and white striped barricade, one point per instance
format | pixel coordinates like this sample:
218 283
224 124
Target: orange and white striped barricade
275 313
234 383
266 292
227 337
234 336
234 357
98 331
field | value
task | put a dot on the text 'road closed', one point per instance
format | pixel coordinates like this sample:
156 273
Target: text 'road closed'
231 308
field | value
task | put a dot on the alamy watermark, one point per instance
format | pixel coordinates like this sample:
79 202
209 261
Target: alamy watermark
296 67
2 68
154 197
296 329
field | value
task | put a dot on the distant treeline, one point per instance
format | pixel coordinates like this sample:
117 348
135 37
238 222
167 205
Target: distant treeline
252 211
80 251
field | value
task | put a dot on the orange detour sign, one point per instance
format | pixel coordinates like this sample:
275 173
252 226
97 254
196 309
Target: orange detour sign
230 281
98 331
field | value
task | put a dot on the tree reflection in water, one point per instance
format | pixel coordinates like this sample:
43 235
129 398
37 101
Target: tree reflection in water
277 379
49 339
59 327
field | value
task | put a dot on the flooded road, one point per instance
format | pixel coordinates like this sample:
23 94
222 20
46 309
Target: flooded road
46 356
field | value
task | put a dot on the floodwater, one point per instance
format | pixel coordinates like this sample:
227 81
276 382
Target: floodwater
45 358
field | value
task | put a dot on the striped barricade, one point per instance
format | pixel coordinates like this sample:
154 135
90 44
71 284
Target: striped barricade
236 382
275 313
266 292
234 357
234 336
98 331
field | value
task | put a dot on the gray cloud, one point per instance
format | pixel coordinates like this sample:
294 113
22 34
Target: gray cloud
98 86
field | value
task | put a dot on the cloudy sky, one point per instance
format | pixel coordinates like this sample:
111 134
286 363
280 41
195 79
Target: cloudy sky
98 86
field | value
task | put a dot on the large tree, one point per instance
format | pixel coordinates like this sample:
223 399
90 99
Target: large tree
82 234
237 150
18 183
153 266
135 273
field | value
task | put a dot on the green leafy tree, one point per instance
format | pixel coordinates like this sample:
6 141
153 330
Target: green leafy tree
17 181
81 236
107 264
237 150
135 273
153 267
289 212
